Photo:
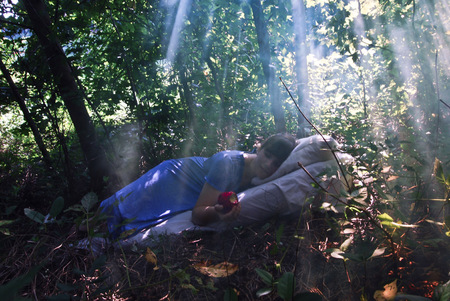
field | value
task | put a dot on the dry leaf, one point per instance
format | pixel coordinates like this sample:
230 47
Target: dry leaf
219 270
390 290
386 169
151 257
392 178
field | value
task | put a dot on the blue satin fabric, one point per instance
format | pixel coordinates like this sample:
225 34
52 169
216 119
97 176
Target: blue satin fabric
170 188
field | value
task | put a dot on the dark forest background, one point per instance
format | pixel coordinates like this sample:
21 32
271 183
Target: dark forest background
95 93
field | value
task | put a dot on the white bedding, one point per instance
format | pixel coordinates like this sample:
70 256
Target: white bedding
284 193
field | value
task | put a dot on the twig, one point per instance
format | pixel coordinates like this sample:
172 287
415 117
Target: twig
365 211
329 146
444 103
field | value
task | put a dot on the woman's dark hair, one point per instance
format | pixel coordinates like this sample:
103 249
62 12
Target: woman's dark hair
279 145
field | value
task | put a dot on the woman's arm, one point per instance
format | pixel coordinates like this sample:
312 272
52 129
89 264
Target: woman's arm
207 210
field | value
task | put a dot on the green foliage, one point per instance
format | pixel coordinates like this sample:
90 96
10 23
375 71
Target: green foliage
10 290
376 73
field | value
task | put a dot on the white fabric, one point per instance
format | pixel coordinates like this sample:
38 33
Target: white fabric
309 150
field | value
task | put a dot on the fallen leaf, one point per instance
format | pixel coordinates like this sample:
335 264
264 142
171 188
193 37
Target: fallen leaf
151 257
218 270
392 178
390 290
386 169
127 233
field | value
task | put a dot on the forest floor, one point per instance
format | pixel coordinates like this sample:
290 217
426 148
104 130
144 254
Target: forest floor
273 261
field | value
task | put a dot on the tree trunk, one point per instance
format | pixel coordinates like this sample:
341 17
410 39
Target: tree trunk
68 89
269 72
301 66
27 115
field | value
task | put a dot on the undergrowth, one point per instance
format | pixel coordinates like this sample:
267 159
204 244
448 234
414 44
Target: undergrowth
387 239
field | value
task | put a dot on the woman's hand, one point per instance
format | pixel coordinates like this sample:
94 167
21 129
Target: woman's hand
230 215
207 210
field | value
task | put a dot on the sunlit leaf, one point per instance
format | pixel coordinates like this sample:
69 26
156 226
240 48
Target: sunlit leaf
89 200
335 253
385 219
263 292
6 222
346 244
392 178
378 252
223 269
438 170
388 294
5 231
400 225
151 257
386 169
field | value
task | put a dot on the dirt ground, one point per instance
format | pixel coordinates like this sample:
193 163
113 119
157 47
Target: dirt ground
224 266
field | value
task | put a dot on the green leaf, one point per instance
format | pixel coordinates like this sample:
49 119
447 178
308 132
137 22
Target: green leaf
265 276
285 286
439 171
346 244
89 201
385 219
57 206
335 253
34 215
442 292
10 209
263 292
377 252
9 290
98 263
354 257
6 222
230 295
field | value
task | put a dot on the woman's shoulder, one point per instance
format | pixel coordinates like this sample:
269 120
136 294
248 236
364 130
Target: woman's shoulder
225 157
229 154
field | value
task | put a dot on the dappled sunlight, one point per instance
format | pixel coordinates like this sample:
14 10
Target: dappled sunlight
177 29
96 94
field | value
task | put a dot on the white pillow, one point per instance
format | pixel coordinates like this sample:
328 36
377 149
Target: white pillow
309 150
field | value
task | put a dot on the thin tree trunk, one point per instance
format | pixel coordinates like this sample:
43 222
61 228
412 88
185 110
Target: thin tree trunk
68 89
27 115
187 96
269 72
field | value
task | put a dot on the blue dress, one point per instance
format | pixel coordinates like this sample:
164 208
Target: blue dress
170 188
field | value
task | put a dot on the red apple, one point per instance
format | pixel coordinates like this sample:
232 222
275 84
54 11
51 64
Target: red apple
228 200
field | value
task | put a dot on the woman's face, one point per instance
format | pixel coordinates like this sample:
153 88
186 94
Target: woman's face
266 164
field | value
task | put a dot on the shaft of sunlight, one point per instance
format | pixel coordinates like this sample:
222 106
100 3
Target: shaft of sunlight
177 29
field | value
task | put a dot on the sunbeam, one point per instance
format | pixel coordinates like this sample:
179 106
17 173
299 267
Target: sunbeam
178 27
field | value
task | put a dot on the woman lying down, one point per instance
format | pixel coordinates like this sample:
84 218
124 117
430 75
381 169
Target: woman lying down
194 183
192 193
